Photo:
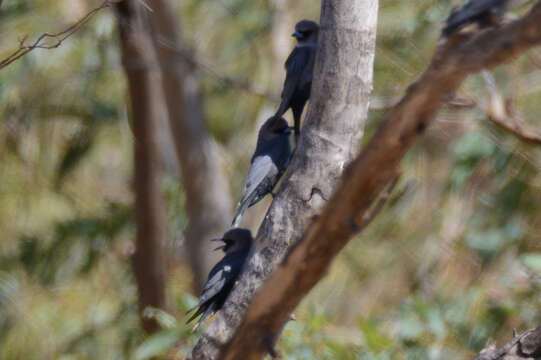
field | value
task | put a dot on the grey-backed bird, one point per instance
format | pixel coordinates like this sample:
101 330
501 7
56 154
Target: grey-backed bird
237 244
482 12
299 69
270 160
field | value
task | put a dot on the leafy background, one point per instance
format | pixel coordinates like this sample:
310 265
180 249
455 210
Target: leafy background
453 261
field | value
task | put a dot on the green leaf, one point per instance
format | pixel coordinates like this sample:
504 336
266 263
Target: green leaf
163 318
375 341
157 344
77 148
532 261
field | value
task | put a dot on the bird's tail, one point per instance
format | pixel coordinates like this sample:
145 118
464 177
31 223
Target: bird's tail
209 311
243 205
196 314
281 109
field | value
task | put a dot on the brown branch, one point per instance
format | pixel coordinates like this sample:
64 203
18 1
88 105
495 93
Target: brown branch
58 37
524 346
307 263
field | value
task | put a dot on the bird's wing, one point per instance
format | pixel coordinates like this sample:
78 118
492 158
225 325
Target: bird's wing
261 167
218 277
223 273
295 64
471 12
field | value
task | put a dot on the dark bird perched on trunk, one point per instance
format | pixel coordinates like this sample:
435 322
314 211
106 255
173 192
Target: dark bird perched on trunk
270 160
482 12
222 277
299 68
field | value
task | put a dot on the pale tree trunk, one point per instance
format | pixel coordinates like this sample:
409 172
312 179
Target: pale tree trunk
208 198
330 140
146 103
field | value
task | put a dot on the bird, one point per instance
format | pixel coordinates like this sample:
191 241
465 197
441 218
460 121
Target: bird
237 244
269 162
299 69
482 12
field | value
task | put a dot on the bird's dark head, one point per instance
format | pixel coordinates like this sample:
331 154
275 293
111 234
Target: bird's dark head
306 31
273 127
235 240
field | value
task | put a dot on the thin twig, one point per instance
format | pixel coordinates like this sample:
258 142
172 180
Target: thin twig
502 115
59 37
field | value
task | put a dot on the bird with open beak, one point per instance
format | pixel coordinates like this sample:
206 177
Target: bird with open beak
299 69
236 245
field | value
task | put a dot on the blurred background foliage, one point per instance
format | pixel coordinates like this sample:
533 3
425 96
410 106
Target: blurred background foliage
453 261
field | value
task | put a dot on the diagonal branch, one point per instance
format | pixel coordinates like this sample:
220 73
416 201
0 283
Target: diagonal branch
42 41
377 165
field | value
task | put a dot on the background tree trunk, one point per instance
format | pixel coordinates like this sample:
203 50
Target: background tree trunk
331 138
208 198
146 103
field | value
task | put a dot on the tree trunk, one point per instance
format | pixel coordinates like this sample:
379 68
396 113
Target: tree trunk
208 197
330 140
146 103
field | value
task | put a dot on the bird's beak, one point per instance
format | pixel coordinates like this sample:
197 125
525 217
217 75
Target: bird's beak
219 240
297 35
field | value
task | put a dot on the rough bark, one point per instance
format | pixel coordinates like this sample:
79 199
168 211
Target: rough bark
351 206
331 138
208 198
148 259
525 346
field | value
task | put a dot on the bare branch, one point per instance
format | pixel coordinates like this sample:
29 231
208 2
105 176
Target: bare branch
377 165
524 346
501 113
58 38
